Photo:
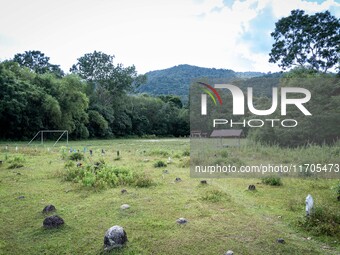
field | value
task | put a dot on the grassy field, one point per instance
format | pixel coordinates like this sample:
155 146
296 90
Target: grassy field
223 215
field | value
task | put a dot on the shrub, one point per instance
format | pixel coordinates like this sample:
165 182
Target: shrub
102 176
76 156
272 181
186 153
63 152
323 221
160 163
16 162
224 154
337 189
142 181
214 196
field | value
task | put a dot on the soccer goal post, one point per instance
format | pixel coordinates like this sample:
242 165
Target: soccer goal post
41 133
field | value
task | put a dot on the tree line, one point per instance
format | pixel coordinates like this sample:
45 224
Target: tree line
95 100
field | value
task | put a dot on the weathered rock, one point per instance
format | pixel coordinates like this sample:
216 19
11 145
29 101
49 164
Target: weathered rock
204 182
49 208
230 252
280 240
115 237
53 221
182 221
251 187
124 206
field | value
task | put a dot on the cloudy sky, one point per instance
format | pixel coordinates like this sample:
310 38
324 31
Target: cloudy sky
150 34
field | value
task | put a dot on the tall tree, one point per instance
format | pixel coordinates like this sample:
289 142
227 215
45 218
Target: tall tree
311 41
98 68
108 85
37 62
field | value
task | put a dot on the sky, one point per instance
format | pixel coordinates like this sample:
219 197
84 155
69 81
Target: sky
150 34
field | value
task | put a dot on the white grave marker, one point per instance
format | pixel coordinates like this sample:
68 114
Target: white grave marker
309 204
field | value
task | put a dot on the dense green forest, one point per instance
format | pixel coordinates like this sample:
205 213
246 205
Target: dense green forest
176 80
94 100
98 99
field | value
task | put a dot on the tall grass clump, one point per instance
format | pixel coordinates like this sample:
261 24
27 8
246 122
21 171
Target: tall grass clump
323 221
158 152
16 162
105 176
214 196
76 156
272 181
159 163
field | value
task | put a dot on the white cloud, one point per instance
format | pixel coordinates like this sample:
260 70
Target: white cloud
150 34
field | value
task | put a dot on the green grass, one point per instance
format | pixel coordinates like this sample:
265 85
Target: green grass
222 215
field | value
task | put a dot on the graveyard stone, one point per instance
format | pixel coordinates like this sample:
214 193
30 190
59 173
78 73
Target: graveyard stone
49 208
309 204
251 187
182 221
280 240
115 237
124 206
53 221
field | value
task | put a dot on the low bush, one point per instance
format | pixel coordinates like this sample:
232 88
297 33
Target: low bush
76 156
103 176
323 221
186 153
142 181
214 195
272 181
337 189
16 162
159 163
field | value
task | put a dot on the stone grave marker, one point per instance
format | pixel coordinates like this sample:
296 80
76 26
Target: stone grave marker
309 204
115 237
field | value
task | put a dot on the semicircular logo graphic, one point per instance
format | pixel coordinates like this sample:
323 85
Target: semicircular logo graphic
211 92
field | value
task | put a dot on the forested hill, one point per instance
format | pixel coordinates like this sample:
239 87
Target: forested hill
176 80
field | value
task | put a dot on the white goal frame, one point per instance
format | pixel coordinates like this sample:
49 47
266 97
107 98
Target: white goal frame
41 132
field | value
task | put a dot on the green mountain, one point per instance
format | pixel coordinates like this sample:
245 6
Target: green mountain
176 80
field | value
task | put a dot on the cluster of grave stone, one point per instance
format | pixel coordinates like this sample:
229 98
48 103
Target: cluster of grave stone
116 237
